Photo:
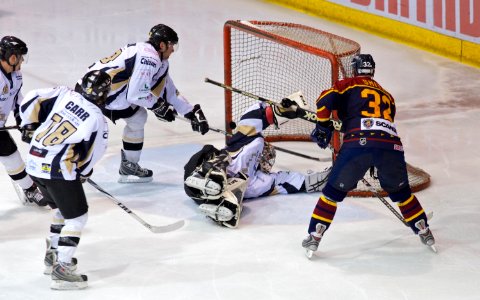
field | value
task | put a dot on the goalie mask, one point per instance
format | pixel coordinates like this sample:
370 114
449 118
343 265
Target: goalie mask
267 159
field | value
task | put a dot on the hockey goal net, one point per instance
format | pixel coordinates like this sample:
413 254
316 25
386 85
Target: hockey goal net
276 59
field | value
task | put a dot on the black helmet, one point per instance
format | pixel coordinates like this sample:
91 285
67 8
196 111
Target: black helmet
95 86
10 45
162 33
363 64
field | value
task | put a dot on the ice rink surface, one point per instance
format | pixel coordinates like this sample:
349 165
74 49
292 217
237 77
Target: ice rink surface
366 254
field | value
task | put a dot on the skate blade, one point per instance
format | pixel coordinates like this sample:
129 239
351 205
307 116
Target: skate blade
433 248
48 270
133 179
30 204
308 253
67 285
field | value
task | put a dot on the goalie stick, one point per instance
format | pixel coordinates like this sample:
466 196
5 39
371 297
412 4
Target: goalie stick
275 147
308 116
152 228
278 148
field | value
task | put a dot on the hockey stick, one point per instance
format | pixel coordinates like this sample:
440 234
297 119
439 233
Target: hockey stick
309 116
152 228
390 207
9 128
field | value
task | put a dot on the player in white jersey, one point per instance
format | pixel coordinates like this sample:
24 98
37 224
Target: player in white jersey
140 81
68 135
220 180
12 52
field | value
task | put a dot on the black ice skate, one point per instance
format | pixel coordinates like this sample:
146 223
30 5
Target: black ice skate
34 196
31 196
131 172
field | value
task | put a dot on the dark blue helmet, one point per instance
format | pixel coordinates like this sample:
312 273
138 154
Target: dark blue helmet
363 64
10 45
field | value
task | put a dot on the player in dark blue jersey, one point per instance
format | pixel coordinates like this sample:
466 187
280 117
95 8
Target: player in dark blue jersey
367 112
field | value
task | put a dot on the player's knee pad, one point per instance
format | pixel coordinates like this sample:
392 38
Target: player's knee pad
76 224
136 123
401 195
333 194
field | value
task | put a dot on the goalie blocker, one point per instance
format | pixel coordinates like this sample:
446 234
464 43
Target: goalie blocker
219 198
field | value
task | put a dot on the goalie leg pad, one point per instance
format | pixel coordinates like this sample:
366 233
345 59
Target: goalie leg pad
210 186
315 182
234 199
218 213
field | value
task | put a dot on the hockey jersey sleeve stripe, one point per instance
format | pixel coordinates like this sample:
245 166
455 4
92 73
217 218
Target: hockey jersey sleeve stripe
41 109
55 167
119 81
70 158
88 147
159 85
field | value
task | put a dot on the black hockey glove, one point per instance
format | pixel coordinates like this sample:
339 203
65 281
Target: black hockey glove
27 132
164 111
322 134
198 120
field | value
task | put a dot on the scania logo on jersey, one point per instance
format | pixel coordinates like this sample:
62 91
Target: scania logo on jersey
367 123
387 125
146 61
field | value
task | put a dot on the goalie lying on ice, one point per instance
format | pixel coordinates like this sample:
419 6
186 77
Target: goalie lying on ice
219 180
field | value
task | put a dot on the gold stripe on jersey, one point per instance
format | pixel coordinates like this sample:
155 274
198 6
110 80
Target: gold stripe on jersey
157 89
81 163
247 130
36 110
70 158
117 85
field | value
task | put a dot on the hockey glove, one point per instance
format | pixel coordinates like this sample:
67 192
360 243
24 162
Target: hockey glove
27 132
322 135
198 120
289 109
164 111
